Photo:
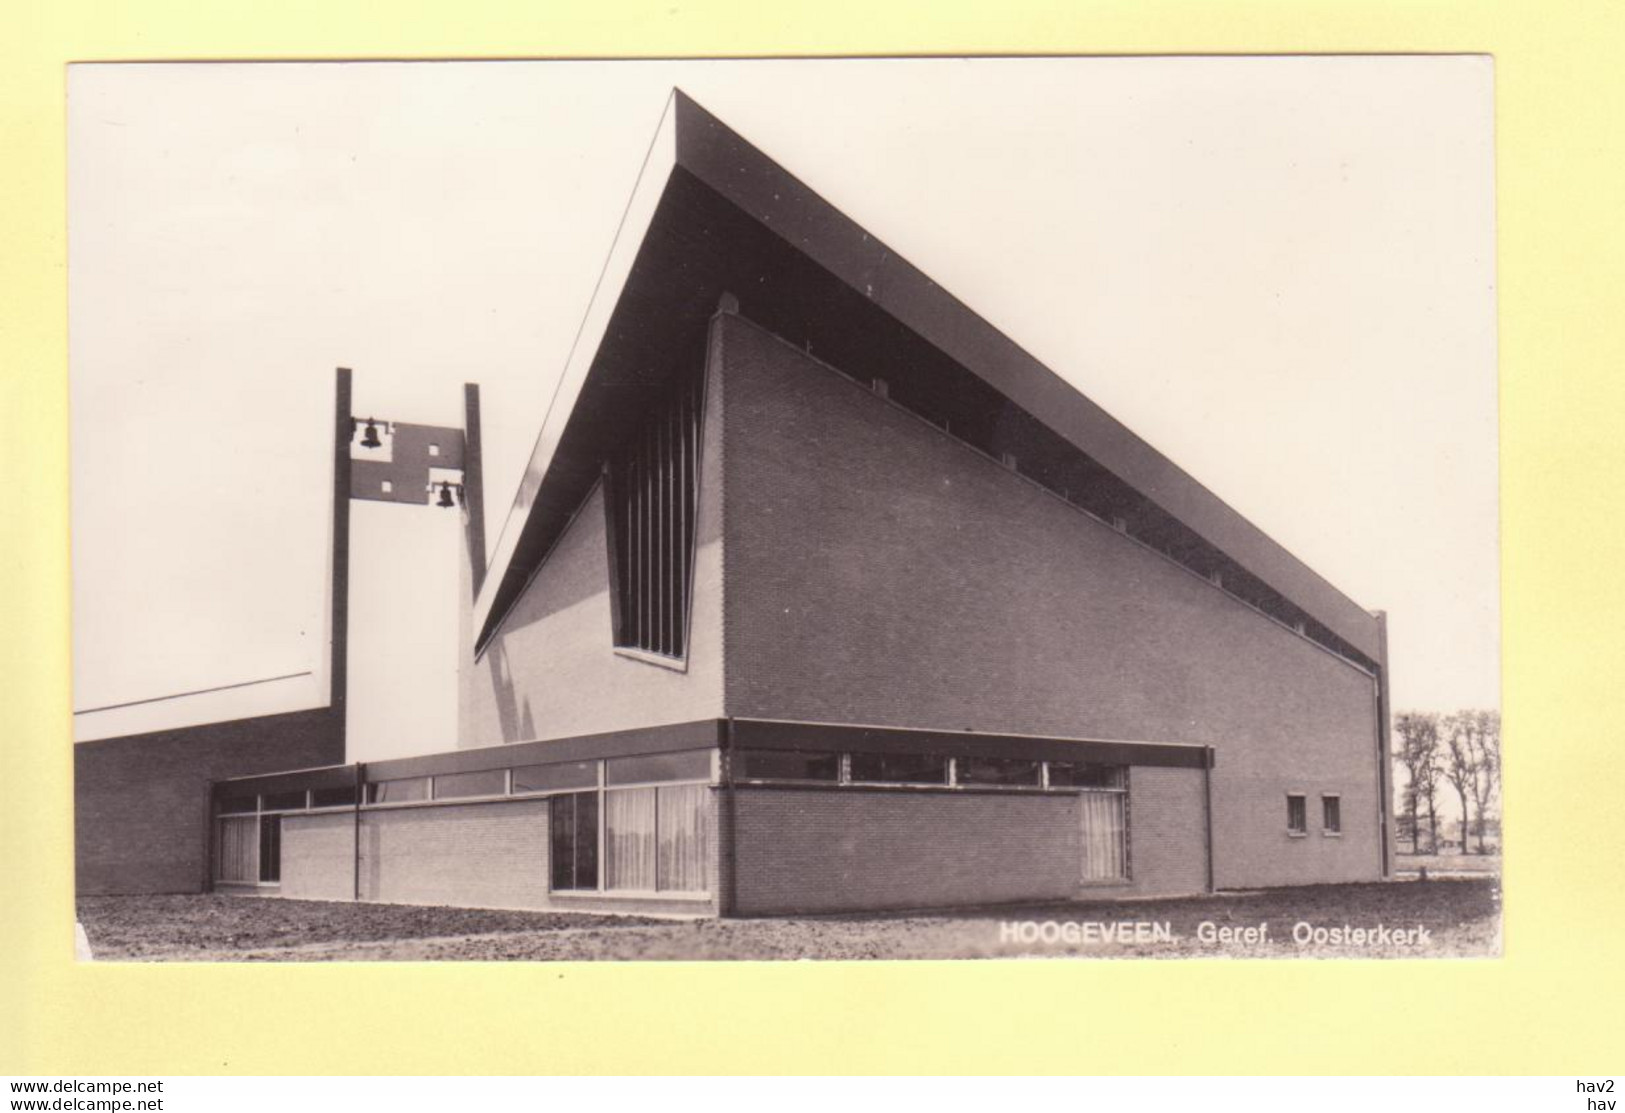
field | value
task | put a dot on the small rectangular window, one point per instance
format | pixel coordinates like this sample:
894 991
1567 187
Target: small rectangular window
1331 815
333 797
398 792
1297 814
239 805
786 765
284 802
996 771
900 769
689 765
483 782
1081 774
552 778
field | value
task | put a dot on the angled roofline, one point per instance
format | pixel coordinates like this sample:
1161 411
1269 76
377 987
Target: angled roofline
692 139
501 588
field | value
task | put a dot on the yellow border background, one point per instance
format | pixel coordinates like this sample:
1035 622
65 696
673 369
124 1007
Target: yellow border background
1553 1004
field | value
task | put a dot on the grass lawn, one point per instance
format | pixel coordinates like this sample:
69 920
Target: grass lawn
1488 865
1461 917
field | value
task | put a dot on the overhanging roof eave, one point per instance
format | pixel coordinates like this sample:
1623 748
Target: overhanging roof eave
775 198
508 571
692 139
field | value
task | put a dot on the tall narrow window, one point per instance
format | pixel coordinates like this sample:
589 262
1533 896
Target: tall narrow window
1105 834
629 838
573 819
1297 814
270 848
652 497
1331 814
237 850
684 842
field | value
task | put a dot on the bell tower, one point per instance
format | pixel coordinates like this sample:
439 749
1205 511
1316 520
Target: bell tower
403 463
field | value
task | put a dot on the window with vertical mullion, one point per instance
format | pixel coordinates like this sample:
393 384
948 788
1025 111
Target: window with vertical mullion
651 498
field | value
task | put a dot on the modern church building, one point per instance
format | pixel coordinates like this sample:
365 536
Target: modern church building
818 594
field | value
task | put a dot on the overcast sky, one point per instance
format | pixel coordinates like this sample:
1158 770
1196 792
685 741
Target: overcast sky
1279 272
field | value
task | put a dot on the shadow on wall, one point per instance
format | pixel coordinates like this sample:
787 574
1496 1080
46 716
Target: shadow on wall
516 720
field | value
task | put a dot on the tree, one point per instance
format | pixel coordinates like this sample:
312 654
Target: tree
1472 765
1485 739
1418 752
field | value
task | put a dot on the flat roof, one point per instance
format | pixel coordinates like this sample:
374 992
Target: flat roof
701 182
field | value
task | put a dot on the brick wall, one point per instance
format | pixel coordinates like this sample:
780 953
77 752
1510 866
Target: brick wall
141 803
1251 843
801 851
812 850
881 572
1167 832
552 670
318 860
487 855
475 855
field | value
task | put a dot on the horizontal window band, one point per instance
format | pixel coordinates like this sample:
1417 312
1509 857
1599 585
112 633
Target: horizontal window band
922 790
513 798
449 802
769 734
294 780
752 734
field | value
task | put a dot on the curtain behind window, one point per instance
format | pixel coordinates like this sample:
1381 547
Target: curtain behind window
1105 835
629 832
238 851
683 837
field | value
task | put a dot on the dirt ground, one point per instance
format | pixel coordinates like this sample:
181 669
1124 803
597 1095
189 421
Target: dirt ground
1444 918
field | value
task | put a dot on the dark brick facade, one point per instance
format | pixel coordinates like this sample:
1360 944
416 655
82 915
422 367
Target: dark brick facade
880 571
812 850
844 849
479 855
141 803
1167 832
857 565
